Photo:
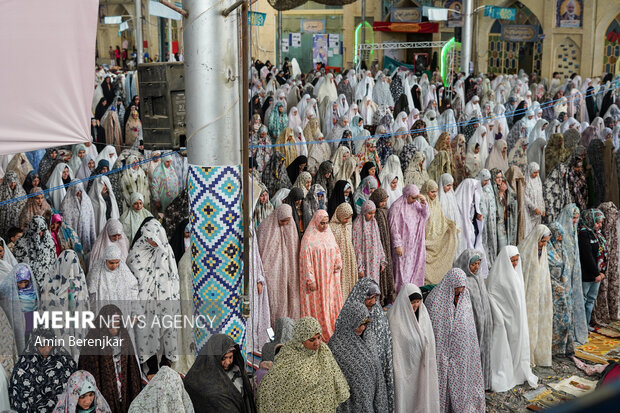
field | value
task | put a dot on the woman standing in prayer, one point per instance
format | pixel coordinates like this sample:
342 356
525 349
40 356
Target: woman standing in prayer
134 216
325 177
459 152
537 282
415 363
556 191
278 243
61 175
354 352
534 201
40 374
468 196
470 262
555 152
320 264
81 395
217 382
510 343
133 128
114 368
366 292
386 278
341 227
152 262
577 183
278 120
77 211
488 210
562 343
163 393
441 237
104 202
416 172
568 220
473 161
367 243
461 382
498 158
305 377
111 279
593 255
394 188
342 193
287 140
296 167
18 299
133 179
516 183
112 233
164 186
407 218
10 189
263 208
606 307
36 248
65 238
363 192
274 175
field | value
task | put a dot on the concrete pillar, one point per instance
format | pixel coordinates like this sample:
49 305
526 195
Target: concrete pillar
468 8
138 26
212 89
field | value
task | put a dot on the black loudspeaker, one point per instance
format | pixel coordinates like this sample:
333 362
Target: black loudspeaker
458 34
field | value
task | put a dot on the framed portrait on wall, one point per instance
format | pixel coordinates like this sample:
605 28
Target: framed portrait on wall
569 13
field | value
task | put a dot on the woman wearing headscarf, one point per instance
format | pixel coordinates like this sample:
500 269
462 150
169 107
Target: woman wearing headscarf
595 153
288 148
315 199
36 205
164 393
555 152
10 189
20 166
320 265
278 244
593 256
407 218
325 177
133 128
441 237
133 179
366 292
261 147
110 279
610 168
296 200
112 233
415 368
473 160
33 180
164 187
134 216
415 172
537 283
439 166
568 219
458 161
470 262
296 167
556 192
47 164
103 201
606 306
275 176
36 248
152 262
563 343
367 243
510 343
386 278
516 182
19 297
488 210
354 351
278 120
363 192
61 175
461 382
263 208
393 187
40 374
81 395
518 155
342 193
65 238
217 381
468 196
507 208
78 212
305 377
498 157
534 201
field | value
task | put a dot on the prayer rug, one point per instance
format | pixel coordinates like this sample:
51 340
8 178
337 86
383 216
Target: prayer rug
217 250
575 385
596 348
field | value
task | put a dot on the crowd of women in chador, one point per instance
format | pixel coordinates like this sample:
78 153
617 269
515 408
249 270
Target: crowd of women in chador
412 246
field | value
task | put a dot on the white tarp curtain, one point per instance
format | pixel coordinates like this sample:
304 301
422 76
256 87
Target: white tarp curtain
47 72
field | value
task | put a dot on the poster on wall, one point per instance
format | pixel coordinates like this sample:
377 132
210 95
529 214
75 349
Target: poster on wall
455 15
319 49
569 13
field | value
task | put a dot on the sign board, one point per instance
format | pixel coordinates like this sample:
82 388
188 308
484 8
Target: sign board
256 19
159 10
519 33
502 13
112 19
406 15
320 49
313 26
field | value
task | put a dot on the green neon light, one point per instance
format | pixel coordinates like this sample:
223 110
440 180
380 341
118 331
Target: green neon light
445 59
357 30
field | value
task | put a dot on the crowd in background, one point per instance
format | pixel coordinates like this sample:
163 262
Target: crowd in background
405 230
